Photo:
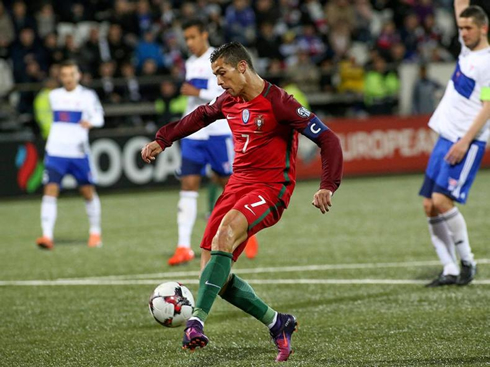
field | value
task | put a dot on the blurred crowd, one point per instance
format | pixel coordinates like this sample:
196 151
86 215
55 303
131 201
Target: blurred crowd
122 46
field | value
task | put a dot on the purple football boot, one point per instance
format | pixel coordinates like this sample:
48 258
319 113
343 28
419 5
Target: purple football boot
194 336
281 334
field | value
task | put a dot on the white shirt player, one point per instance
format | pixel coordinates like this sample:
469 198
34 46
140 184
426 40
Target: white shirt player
67 138
198 72
461 101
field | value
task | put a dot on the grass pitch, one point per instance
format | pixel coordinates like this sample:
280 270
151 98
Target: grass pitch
364 303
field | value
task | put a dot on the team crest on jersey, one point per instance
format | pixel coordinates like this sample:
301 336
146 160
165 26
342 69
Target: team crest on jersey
245 116
259 122
303 112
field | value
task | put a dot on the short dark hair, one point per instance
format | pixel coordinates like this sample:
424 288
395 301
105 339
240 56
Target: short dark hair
68 63
232 53
477 13
201 26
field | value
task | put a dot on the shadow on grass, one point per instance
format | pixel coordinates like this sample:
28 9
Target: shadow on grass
70 241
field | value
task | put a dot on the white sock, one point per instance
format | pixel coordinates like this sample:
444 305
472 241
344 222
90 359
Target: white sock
458 231
186 216
444 244
93 213
48 215
195 318
271 325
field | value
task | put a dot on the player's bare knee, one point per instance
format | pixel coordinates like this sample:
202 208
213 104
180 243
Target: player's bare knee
224 239
442 203
429 208
51 189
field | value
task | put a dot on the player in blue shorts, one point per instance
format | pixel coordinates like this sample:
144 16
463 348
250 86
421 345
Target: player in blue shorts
75 110
211 146
462 122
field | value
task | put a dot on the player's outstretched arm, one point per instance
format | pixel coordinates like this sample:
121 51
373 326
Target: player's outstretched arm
459 6
196 120
458 150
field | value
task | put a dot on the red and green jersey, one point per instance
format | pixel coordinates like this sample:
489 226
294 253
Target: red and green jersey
265 133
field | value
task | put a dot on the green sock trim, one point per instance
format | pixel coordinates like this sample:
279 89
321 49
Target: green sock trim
200 314
222 253
214 276
240 294
268 317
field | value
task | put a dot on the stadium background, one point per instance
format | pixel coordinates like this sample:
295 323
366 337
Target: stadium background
345 59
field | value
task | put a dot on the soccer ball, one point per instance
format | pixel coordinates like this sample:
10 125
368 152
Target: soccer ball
171 304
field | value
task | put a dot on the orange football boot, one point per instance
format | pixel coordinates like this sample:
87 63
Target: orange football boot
45 243
252 247
95 240
181 256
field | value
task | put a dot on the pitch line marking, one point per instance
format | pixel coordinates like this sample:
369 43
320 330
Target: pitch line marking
278 269
66 282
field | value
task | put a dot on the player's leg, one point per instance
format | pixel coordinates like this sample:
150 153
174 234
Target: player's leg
193 161
220 152
438 230
54 170
456 224
443 244
93 209
227 244
453 185
48 215
81 169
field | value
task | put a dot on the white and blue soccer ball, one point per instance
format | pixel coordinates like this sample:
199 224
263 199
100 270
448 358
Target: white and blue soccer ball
171 304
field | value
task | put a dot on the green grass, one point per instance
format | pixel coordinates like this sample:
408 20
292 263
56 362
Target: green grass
374 220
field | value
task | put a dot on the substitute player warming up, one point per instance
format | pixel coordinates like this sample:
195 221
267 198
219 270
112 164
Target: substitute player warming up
75 110
265 122
462 121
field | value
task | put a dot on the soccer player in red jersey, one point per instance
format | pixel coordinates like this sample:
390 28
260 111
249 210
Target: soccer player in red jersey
265 122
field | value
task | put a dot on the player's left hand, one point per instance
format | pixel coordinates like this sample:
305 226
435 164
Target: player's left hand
322 200
150 151
85 124
457 152
189 90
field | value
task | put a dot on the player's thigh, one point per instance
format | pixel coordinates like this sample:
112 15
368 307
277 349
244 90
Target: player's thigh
220 155
81 170
193 157
260 205
223 205
232 231
55 168
455 181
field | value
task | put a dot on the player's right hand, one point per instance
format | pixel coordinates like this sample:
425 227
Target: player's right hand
322 200
150 151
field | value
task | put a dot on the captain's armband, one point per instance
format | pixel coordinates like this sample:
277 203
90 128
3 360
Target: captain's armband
314 128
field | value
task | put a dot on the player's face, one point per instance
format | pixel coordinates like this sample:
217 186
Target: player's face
70 76
196 41
472 34
229 78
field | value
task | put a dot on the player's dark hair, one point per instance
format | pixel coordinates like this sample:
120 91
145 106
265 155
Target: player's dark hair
232 53
68 63
477 13
201 26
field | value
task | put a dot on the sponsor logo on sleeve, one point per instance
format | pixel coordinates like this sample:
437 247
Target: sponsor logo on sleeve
303 112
